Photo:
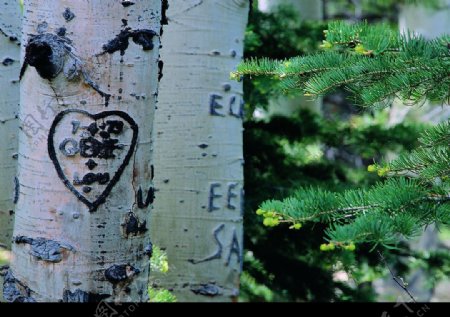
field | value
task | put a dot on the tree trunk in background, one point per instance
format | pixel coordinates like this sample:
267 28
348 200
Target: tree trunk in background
10 24
88 91
307 10
198 150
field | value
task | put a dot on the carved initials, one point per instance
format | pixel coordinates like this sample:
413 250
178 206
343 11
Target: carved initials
148 200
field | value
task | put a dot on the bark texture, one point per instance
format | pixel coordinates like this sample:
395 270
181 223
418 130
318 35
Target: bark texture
10 23
198 150
88 90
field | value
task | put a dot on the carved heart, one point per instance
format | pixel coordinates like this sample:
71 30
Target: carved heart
91 151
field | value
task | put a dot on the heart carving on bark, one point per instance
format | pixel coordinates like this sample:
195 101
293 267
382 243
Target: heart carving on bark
91 151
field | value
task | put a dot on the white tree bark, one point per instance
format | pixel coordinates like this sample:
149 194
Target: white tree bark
88 91
307 10
198 150
10 24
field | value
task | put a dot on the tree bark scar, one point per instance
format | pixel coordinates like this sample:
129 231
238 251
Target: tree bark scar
122 40
79 296
160 67
44 249
46 52
52 54
148 200
133 226
210 290
127 3
120 273
15 291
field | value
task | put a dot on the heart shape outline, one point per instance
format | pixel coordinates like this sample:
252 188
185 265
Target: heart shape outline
52 153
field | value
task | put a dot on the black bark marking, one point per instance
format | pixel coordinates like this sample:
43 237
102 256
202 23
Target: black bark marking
8 61
214 105
226 87
133 226
218 254
79 296
160 70
210 290
44 249
148 200
240 111
165 7
15 291
122 40
61 31
91 178
92 205
213 195
16 190
11 37
235 248
120 273
91 164
68 15
231 195
127 3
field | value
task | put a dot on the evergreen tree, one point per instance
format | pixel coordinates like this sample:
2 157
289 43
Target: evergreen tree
375 64
276 165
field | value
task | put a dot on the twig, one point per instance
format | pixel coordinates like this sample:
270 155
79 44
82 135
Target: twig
395 278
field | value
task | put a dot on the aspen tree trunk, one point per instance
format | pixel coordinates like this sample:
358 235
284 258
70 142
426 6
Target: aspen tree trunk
197 217
10 24
88 91
307 10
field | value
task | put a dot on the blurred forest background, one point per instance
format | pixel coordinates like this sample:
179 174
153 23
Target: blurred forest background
290 141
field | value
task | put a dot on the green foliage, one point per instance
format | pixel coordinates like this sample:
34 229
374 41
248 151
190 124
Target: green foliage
161 296
283 154
160 263
374 63
381 215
